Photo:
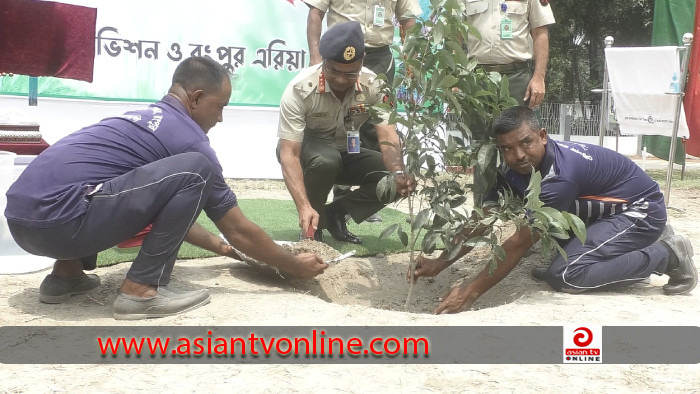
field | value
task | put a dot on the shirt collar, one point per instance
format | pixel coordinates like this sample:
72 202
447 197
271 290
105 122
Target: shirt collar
548 159
322 82
175 102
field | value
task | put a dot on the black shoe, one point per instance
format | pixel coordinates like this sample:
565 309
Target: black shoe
375 218
335 224
682 273
166 302
539 273
56 289
668 231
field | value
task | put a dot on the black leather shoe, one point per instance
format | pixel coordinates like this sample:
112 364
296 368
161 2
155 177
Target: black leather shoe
682 273
668 231
335 224
375 218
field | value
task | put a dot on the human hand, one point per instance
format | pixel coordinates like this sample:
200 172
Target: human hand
534 94
405 184
427 267
457 300
307 265
225 249
308 220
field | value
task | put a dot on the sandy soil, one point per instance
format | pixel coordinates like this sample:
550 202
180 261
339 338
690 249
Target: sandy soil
356 292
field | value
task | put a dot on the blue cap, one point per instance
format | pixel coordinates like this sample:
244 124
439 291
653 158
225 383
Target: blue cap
343 43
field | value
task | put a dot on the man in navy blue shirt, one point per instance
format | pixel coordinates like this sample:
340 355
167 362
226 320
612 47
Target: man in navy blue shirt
622 206
101 185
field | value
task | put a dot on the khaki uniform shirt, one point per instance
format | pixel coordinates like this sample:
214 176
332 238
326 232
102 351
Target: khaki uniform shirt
363 11
486 17
309 107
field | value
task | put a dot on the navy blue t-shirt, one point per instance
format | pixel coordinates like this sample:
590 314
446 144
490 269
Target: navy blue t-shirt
591 182
50 191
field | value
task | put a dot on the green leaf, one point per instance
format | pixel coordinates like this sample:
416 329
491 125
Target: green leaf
447 58
438 33
493 264
441 211
456 48
439 222
386 188
504 91
484 160
422 217
577 225
457 201
403 236
430 242
447 81
499 252
557 218
561 251
454 249
533 193
386 233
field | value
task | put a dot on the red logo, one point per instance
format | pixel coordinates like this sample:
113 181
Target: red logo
583 339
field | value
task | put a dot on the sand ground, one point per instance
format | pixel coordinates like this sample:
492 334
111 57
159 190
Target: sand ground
357 292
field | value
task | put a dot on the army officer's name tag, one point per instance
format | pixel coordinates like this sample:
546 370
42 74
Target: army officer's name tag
506 29
379 15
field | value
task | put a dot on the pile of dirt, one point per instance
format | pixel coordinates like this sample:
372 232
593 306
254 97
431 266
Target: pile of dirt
326 252
310 246
380 282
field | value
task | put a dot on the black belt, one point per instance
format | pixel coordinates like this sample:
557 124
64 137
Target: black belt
504 68
376 49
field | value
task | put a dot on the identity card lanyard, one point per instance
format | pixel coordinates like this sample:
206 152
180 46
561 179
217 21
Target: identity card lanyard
353 138
379 15
506 23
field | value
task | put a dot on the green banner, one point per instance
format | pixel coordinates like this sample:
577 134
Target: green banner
139 44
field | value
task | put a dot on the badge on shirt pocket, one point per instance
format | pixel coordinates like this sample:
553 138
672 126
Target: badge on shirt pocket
353 134
379 15
353 141
506 29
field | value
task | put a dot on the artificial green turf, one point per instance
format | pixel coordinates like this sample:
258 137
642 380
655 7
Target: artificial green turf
280 220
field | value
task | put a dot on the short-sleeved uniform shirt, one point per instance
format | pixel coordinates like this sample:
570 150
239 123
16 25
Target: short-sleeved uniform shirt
309 107
591 182
486 16
340 11
51 190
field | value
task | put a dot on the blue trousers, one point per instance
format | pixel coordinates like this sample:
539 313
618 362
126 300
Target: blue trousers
619 250
170 193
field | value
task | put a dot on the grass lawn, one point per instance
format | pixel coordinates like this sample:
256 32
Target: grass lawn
280 220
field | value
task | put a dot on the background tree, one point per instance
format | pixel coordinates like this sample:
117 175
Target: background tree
576 43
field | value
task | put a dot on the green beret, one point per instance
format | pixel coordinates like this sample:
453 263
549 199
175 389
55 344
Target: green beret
343 43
